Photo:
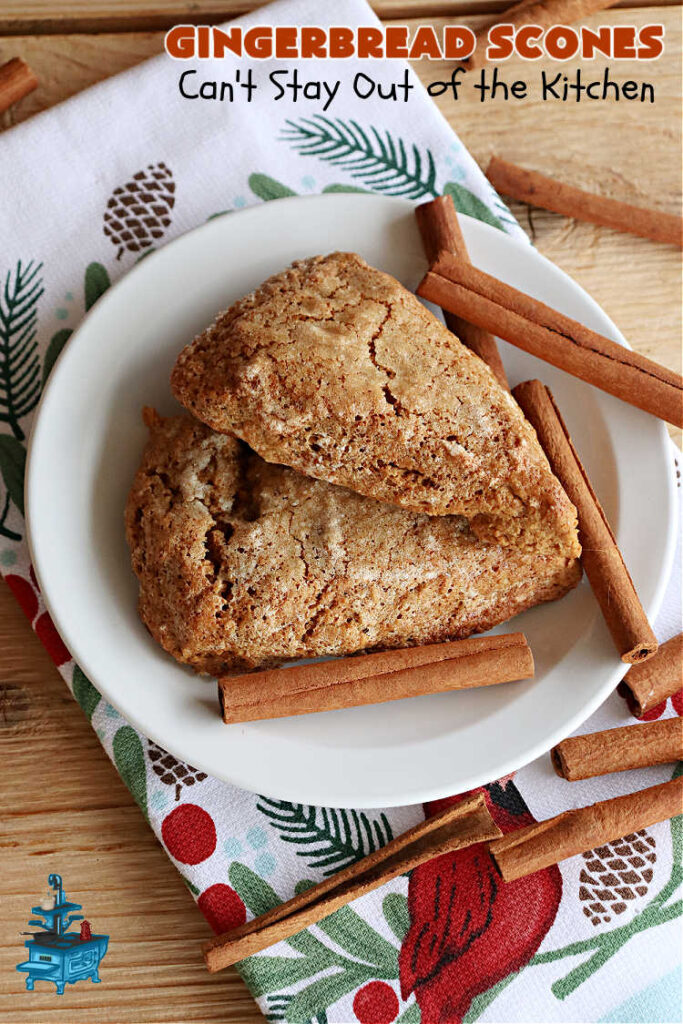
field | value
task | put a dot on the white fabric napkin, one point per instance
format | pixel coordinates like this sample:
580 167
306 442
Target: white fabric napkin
87 189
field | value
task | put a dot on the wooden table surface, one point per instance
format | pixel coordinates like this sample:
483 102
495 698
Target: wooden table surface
63 805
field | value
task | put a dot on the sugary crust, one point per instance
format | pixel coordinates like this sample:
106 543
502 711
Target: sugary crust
335 369
243 564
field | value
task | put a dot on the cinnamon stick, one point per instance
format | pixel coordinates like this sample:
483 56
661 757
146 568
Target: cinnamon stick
375 678
649 684
539 190
618 750
544 843
601 558
440 231
554 337
536 12
453 829
16 81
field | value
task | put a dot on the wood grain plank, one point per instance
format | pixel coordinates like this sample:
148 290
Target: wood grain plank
26 17
65 65
64 808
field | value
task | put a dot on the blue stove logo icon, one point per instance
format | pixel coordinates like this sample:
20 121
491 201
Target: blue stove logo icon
55 953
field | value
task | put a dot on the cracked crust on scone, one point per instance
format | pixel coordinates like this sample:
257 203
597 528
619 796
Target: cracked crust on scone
243 564
335 369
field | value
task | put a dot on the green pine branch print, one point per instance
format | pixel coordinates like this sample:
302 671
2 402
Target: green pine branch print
330 839
384 163
277 1007
321 973
20 378
95 284
12 471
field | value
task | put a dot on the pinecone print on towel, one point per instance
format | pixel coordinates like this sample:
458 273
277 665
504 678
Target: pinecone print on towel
171 771
139 212
616 874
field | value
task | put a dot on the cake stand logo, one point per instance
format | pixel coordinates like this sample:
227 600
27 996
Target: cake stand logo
55 953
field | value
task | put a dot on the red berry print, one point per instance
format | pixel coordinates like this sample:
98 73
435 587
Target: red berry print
677 702
375 1003
222 907
48 635
24 593
189 834
32 574
656 712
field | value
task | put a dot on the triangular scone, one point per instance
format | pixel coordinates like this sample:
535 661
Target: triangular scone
335 369
243 564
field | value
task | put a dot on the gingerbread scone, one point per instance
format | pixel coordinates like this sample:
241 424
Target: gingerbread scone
335 369
243 564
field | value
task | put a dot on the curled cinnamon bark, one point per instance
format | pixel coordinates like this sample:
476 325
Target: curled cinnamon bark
618 750
375 678
601 558
550 335
649 684
547 842
539 190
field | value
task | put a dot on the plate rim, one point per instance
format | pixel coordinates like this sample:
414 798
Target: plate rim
422 793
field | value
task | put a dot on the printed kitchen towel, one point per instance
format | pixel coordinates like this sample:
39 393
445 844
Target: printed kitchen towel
90 187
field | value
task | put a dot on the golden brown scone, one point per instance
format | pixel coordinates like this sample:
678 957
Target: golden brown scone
243 564
335 369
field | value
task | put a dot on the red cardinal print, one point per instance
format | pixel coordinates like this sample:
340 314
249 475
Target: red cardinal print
469 930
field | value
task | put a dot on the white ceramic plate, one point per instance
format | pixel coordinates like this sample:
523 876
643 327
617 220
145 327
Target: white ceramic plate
86 445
